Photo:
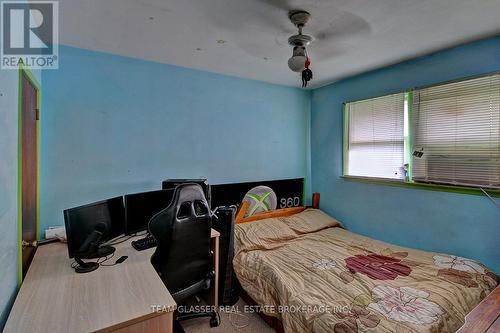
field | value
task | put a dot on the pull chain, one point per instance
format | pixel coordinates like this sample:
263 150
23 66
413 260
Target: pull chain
307 74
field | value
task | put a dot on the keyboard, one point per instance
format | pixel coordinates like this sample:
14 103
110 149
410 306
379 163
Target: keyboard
144 243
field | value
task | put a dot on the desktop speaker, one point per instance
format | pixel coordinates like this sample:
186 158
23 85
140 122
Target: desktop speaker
223 222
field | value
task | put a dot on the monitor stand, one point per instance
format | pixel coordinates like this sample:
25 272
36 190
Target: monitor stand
85 267
101 252
104 251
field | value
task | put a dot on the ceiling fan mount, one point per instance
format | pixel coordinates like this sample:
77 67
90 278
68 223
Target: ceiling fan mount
299 62
299 18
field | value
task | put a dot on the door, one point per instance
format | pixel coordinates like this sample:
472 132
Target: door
29 164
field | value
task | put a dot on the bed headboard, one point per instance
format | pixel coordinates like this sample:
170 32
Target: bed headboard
240 214
283 193
262 199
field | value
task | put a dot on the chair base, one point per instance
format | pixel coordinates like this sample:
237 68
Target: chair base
214 319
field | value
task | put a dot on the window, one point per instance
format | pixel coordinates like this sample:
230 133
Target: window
456 133
445 134
375 146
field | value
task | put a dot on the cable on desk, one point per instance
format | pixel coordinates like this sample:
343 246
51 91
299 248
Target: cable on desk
124 238
105 259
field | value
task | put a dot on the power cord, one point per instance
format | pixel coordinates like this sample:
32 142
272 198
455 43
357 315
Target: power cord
109 265
492 200
123 238
117 240
100 261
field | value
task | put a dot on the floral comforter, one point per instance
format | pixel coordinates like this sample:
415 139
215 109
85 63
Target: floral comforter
318 277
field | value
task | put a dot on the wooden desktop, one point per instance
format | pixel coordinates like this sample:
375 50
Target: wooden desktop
121 298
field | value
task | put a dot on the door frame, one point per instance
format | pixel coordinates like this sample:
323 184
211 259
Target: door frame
34 82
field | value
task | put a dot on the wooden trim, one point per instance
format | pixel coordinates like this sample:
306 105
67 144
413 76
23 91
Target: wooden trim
158 324
266 215
273 322
240 214
315 200
484 316
25 72
150 322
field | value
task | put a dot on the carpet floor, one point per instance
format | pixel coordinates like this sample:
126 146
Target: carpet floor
230 322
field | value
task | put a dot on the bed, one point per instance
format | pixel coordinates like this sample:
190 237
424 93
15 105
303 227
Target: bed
310 274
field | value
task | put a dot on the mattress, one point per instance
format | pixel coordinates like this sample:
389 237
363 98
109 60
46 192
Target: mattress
316 276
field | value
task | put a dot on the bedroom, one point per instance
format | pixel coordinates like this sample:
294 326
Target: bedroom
144 91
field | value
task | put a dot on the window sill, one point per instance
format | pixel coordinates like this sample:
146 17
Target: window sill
423 186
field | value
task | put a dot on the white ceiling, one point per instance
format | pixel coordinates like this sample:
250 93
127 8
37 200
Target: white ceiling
364 34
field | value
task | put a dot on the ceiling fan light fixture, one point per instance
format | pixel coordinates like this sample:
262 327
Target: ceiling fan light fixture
297 61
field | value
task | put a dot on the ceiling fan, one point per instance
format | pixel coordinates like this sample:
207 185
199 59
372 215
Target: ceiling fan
299 61
336 30
332 30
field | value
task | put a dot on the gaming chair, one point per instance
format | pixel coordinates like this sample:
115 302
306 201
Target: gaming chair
183 258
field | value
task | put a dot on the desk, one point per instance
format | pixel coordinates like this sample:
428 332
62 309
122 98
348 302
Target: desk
53 298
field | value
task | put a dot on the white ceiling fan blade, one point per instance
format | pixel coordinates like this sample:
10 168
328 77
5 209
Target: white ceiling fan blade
343 25
330 49
284 5
237 16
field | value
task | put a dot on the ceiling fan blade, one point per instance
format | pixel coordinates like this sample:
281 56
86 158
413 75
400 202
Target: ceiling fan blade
284 5
311 6
274 20
268 48
238 16
324 51
343 25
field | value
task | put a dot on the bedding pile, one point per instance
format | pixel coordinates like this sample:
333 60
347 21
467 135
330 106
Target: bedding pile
316 276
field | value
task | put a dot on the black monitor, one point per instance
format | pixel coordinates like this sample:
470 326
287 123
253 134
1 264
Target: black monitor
82 221
141 207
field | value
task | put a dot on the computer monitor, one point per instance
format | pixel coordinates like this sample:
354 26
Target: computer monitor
82 221
141 207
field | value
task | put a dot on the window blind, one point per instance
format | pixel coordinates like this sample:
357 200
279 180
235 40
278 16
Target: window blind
457 128
376 137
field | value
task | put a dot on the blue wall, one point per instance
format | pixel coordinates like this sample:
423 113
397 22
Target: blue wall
9 90
114 125
460 224
8 191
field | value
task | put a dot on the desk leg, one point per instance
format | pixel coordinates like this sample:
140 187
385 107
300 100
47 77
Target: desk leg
214 291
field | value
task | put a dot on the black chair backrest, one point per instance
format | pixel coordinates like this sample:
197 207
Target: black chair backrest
182 231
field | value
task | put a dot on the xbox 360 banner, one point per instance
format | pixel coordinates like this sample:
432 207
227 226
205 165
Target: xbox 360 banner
262 196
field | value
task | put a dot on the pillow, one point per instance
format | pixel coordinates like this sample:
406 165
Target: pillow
264 234
310 220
